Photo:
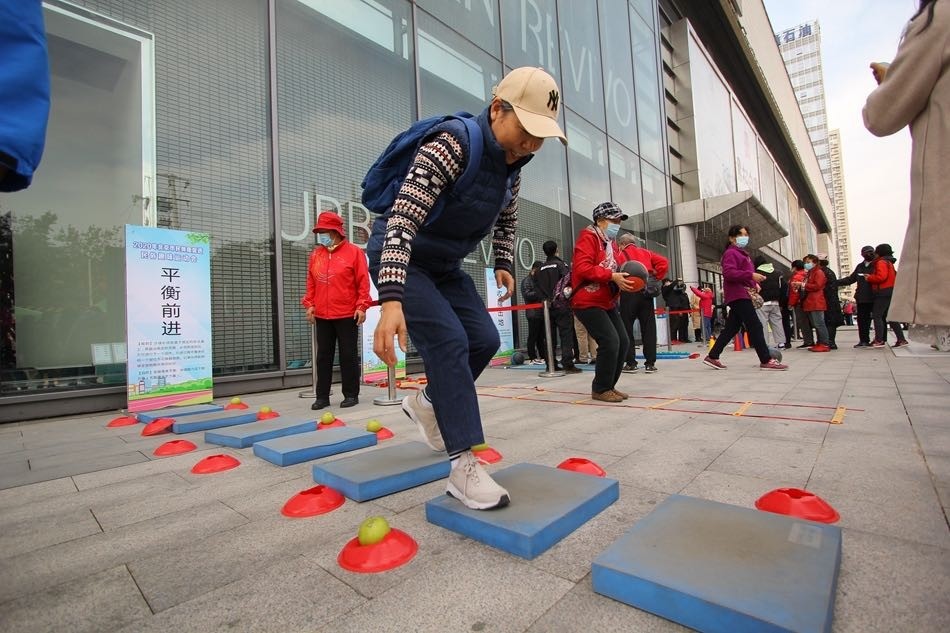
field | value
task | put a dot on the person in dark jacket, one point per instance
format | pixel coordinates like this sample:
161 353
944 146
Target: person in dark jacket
833 317
535 316
416 258
674 294
638 306
863 296
771 288
562 319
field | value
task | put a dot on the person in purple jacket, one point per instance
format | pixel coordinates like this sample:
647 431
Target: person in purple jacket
738 277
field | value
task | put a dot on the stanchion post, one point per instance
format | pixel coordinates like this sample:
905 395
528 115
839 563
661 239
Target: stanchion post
390 398
312 392
550 372
669 339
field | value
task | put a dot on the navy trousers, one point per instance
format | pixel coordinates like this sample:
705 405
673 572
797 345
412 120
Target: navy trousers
455 335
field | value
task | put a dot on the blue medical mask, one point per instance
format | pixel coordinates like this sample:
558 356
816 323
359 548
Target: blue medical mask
324 239
742 241
612 230
809 265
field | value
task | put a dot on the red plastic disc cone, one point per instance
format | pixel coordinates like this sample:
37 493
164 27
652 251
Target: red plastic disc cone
174 447
311 502
694 355
161 425
235 405
797 503
397 548
384 434
582 465
488 455
336 422
214 464
267 416
125 420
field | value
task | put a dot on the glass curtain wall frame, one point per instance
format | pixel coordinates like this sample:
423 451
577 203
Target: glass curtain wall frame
63 238
345 85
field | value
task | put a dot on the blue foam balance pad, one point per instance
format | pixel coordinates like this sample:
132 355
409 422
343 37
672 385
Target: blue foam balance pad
213 420
176 412
384 471
720 568
245 435
303 447
547 504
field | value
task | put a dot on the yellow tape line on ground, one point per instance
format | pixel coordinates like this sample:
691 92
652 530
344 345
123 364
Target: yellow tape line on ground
838 417
742 409
663 404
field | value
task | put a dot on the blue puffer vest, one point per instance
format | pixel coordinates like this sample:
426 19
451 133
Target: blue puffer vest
443 242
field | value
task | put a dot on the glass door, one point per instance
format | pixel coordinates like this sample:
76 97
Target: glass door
62 239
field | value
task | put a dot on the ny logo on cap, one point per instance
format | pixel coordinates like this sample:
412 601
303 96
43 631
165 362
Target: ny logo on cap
552 100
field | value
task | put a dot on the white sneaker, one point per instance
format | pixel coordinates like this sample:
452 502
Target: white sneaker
420 411
473 486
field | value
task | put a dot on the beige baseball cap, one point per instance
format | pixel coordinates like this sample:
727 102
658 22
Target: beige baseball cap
534 95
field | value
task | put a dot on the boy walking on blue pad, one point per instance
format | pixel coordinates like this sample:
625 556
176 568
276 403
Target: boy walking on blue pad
461 184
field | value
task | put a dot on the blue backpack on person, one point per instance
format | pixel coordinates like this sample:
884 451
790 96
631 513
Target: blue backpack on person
383 180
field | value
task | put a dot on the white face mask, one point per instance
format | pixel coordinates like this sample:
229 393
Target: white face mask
742 241
324 240
611 231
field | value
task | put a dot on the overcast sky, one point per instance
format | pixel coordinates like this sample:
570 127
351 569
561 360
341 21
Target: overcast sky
876 170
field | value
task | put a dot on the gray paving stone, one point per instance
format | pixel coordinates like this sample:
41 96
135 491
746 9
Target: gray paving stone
42 569
583 610
101 602
72 500
889 584
178 463
34 492
76 465
290 595
781 460
33 534
738 490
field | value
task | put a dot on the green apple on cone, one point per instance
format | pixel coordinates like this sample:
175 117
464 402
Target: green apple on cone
235 400
479 447
372 531
327 418
265 409
374 425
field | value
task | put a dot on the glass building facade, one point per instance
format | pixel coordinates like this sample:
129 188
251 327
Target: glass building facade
246 118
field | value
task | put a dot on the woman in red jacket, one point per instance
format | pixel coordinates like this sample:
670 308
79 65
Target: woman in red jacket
881 279
596 287
336 301
814 302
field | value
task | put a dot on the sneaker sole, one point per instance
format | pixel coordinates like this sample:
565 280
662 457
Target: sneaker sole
774 368
425 438
454 492
713 366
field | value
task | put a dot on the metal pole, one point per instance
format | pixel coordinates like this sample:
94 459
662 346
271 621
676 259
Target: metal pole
669 340
312 392
550 372
390 399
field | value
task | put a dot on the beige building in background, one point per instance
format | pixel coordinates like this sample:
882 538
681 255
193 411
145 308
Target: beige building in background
840 198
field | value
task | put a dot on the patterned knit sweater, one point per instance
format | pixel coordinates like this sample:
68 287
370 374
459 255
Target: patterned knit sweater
437 165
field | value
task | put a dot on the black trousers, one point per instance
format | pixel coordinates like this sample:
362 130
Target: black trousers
865 311
741 312
536 340
346 333
882 304
612 342
562 322
679 326
637 306
787 325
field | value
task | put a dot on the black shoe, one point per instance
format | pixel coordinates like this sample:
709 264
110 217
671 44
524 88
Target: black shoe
650 369
571 369
833 346
630 369
320 404
349 402
862 344
803 346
